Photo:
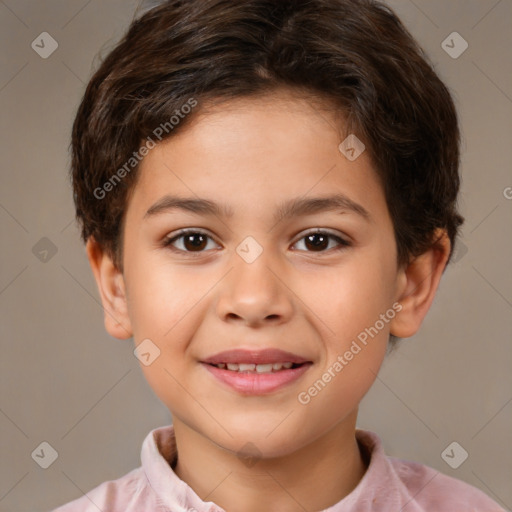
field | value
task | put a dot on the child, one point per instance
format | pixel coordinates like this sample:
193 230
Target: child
267 190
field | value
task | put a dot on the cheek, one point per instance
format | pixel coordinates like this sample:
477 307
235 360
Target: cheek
350 297
161 297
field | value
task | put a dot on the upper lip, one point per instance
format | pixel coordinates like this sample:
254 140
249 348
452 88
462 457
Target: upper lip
265 356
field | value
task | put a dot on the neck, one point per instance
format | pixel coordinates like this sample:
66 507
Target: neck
314 477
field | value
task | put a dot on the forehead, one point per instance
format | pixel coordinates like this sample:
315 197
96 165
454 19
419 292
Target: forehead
257 149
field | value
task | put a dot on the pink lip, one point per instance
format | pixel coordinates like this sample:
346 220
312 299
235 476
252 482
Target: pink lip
252 383
265 356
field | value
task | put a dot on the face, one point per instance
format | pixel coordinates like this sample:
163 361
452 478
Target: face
255 280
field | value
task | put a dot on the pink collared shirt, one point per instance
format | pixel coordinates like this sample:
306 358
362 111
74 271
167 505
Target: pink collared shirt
389 485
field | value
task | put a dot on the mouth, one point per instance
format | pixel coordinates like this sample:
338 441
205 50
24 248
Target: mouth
256 372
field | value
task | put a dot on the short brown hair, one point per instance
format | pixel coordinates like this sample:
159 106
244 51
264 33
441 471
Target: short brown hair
354 53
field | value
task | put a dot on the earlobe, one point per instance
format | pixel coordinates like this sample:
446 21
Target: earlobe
111 286
418 285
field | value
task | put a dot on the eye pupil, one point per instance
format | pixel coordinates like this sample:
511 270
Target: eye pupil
199 244
320 244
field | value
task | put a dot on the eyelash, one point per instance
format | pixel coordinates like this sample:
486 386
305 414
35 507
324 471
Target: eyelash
168 241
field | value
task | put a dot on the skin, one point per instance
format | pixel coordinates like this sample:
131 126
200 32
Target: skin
251 155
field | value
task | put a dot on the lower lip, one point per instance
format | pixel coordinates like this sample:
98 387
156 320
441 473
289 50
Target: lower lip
257 383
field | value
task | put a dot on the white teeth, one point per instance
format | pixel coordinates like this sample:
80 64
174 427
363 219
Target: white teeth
258 368
264 368
246 367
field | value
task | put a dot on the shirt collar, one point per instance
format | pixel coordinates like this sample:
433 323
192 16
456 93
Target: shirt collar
159 454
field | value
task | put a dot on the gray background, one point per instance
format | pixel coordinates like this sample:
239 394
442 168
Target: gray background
65 381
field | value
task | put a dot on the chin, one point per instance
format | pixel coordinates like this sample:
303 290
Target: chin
258 444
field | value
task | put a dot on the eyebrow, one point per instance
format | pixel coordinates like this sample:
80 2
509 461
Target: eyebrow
290 208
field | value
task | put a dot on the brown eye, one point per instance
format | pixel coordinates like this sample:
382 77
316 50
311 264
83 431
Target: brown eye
194 241
319 241
189 241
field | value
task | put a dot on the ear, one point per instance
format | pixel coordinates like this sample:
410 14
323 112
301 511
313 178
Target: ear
417 286
112 290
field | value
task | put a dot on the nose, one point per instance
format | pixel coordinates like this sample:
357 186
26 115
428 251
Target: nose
255 294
